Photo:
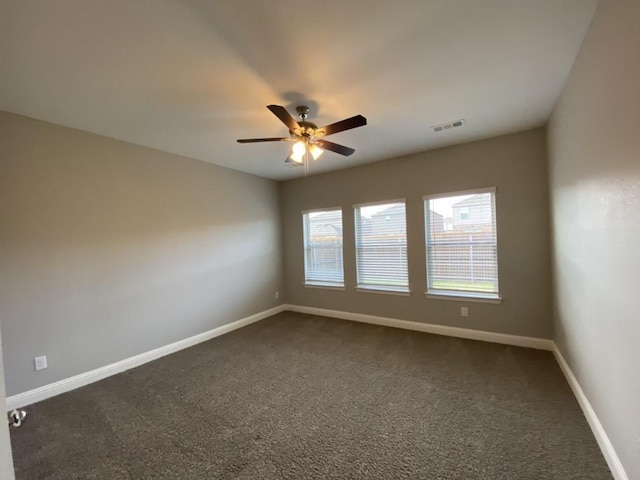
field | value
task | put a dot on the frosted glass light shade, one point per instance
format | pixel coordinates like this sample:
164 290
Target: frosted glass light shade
315 151
297 152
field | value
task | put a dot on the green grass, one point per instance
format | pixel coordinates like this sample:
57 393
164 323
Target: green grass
386 282
392 285
466 286
442 285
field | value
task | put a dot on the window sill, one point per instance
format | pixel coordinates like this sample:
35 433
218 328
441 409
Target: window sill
463 297
324 286
401 293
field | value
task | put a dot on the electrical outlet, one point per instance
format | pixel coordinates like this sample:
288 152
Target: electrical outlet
40 362
277 295
464 312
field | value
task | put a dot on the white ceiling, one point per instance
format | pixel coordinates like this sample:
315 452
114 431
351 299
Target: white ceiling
190 77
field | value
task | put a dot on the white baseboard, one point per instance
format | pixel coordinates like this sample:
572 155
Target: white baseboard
531 342
610 455
516 340
71 383
41 393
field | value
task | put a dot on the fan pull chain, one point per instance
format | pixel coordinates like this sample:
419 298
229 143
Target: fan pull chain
306 159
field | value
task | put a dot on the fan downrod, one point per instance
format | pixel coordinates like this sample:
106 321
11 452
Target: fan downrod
303 112
307 129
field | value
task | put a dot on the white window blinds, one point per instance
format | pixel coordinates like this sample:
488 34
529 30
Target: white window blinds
323 248
381 246
462 249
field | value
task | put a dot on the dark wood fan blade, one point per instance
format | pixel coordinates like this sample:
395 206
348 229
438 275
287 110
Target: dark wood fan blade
347 124
284 116
272 139
334 147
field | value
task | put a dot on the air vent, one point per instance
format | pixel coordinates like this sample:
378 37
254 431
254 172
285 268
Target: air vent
448 126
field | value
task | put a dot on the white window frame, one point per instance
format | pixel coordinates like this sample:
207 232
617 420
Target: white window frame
437 293
305 241
371 288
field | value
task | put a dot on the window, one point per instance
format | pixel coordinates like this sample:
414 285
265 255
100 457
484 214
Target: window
381 246
462 249
323 248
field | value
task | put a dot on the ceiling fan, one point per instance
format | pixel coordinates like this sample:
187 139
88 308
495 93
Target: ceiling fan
308 138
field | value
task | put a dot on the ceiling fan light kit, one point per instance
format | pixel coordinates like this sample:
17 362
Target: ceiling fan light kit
307 137
298 151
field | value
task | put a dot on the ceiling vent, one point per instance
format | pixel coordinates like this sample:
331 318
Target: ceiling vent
448 126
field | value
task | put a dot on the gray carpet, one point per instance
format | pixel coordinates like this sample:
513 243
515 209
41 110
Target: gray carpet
299 396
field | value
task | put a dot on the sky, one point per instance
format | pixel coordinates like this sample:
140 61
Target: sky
439 205
443 205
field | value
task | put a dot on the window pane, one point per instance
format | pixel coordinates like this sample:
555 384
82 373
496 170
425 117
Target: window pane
323 248
381 247
462 251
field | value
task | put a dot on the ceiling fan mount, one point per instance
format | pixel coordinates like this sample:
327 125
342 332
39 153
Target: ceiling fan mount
308 134
303 111
307 129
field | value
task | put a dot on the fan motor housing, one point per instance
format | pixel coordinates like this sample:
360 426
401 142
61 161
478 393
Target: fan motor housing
307 129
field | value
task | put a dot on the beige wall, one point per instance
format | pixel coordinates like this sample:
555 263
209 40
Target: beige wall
594 145
108 249
515 164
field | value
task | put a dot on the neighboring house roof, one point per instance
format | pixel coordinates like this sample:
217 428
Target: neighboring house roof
325 224
324 216
435 215
476 199
397 209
